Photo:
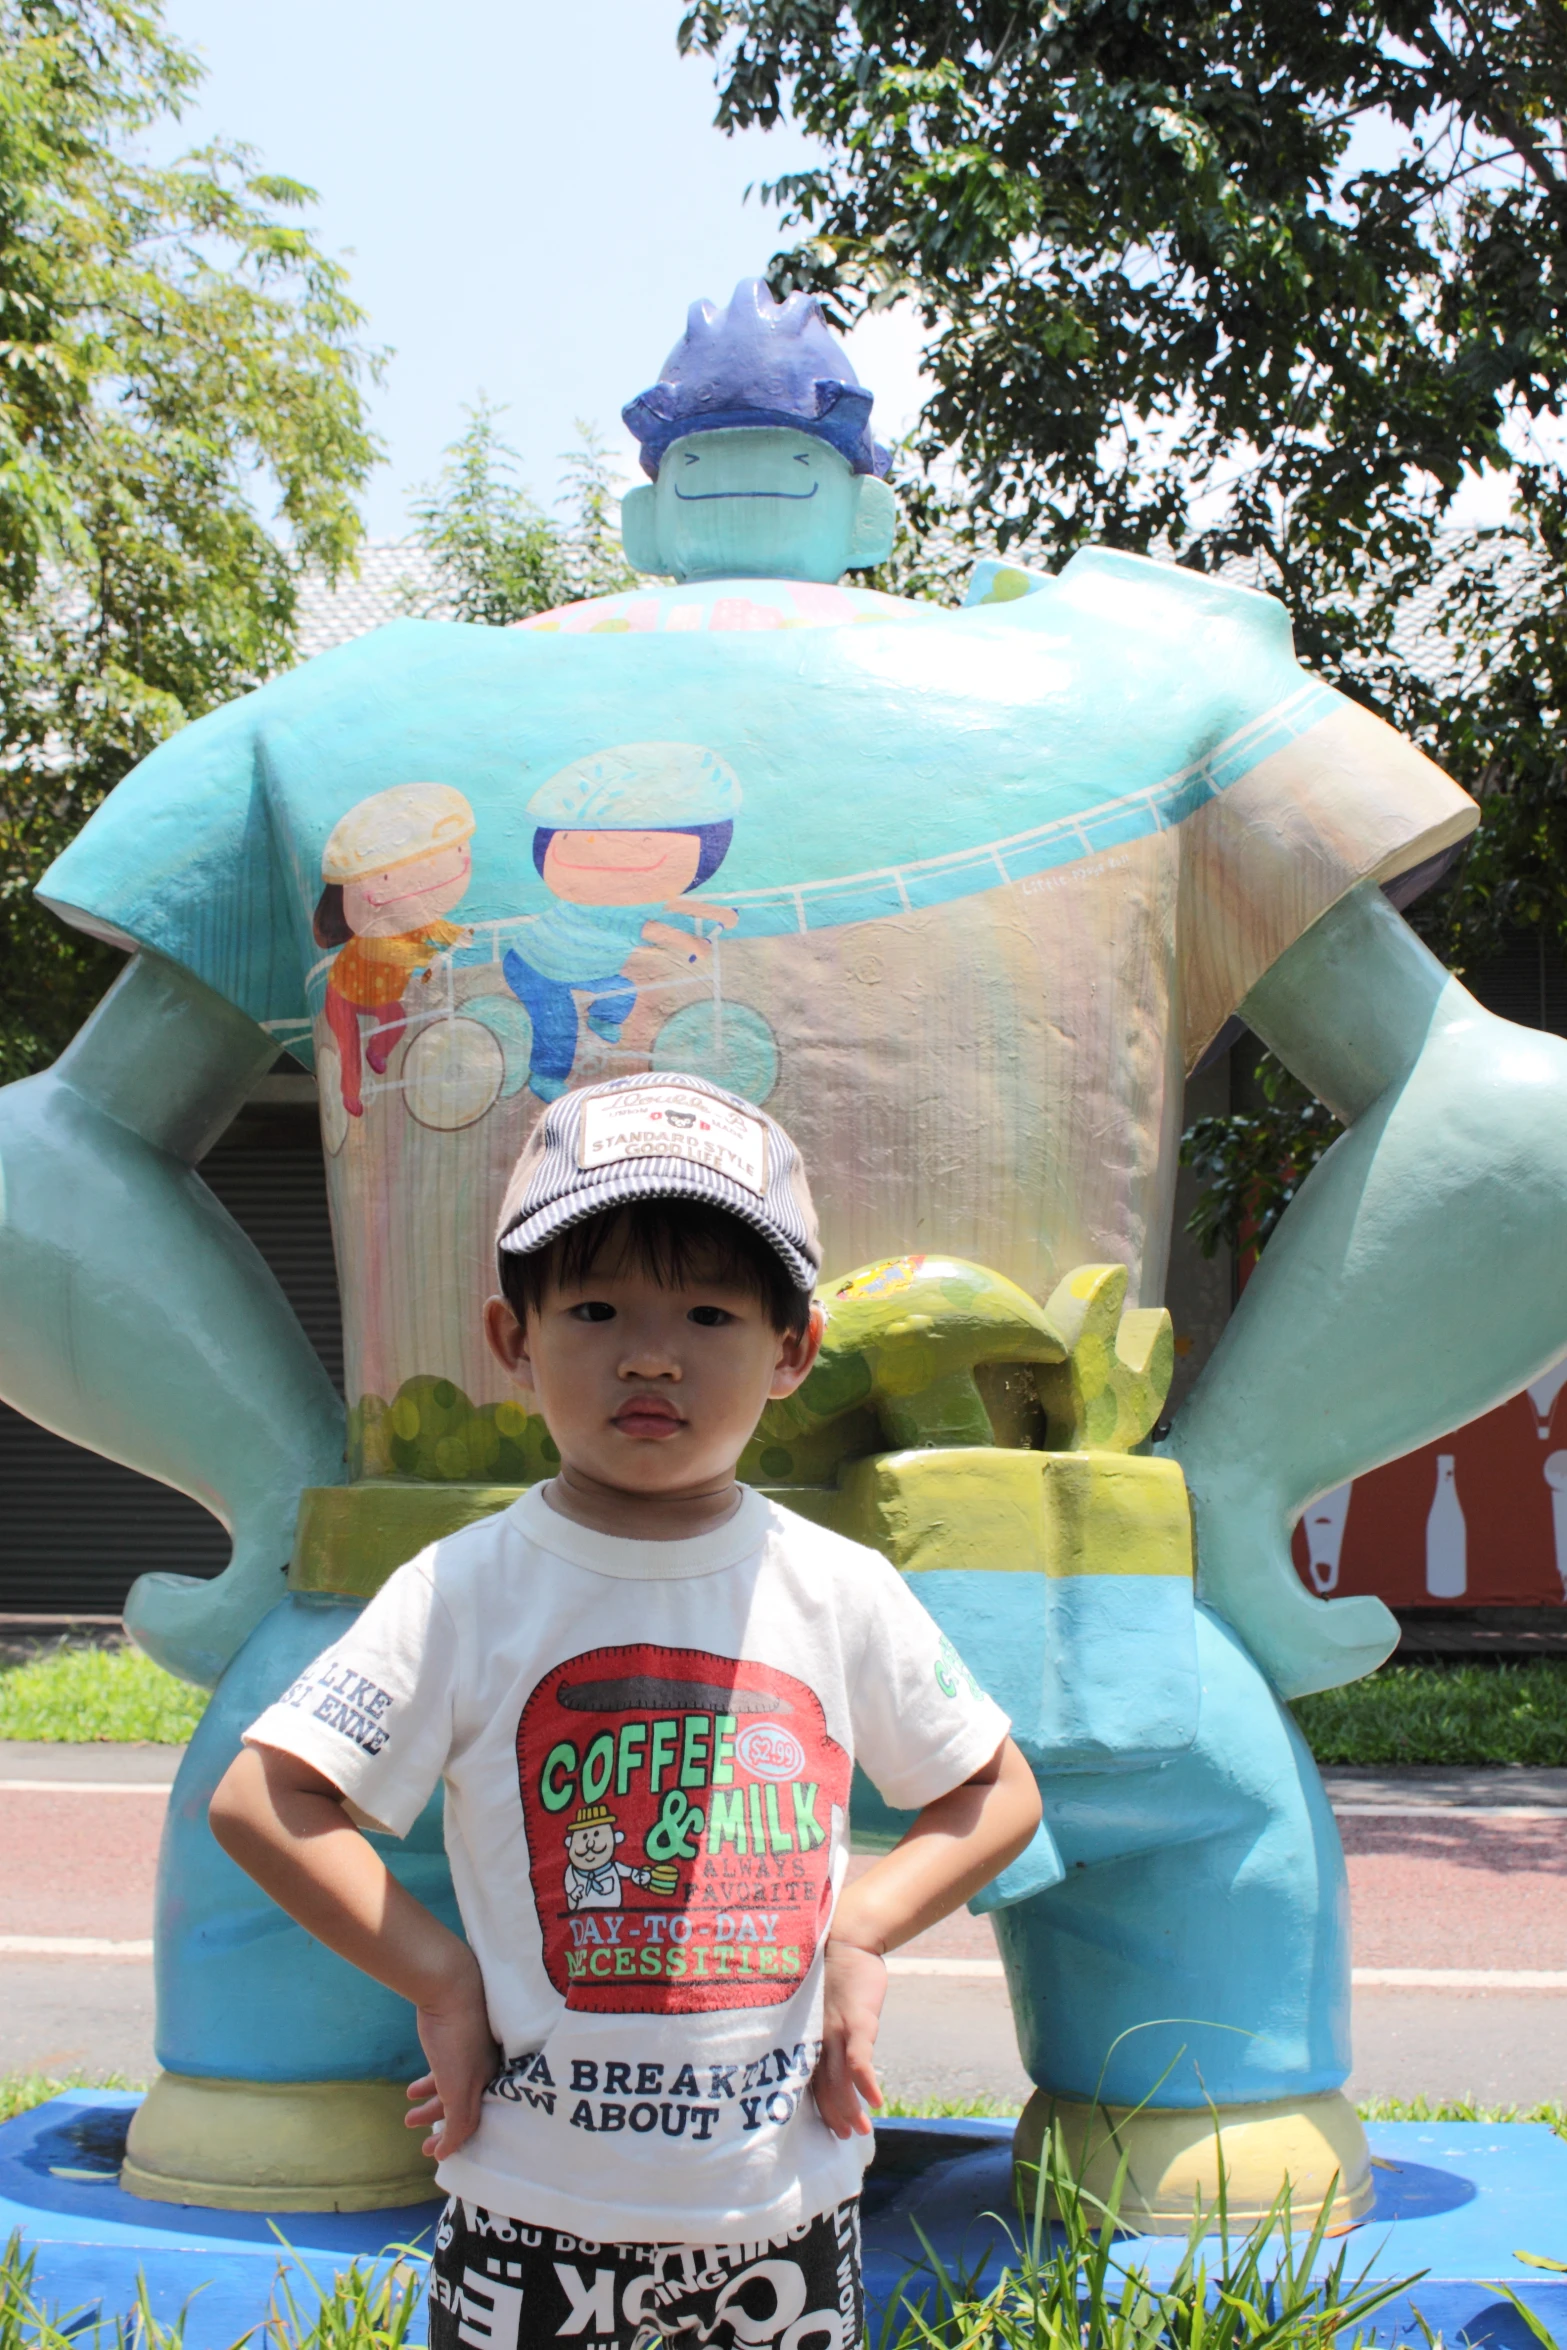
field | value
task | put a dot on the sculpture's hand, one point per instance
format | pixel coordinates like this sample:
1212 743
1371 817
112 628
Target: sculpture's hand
1416 1280
138 1319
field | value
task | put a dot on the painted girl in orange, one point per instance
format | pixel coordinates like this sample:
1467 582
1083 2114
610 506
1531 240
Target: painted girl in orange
394 866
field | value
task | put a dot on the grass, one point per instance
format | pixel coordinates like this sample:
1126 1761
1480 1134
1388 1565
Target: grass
20 2092
74 1692
1458 1714
1459 2109
370 2308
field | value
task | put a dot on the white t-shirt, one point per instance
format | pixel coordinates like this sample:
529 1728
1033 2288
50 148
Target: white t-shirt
647 1750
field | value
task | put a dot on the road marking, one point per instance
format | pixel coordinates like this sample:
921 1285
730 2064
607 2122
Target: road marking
1368 1978
84 1787
1449 1811
979 1970
1343 1811
69 1946
1460 1978
974 1970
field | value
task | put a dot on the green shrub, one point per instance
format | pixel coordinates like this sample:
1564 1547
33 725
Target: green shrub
1458 1714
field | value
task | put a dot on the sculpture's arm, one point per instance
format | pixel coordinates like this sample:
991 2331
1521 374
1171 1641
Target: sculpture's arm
137 1319
1417 1279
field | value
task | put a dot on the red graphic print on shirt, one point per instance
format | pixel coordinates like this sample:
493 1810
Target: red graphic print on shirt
679 1814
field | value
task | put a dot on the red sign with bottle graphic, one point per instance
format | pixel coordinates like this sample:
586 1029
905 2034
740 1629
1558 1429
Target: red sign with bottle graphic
1478 1519
679 1814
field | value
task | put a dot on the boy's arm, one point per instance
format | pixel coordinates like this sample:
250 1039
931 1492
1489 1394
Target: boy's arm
284 1823
956 1845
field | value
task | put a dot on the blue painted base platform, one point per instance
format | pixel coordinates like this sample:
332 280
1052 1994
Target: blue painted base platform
1457 2200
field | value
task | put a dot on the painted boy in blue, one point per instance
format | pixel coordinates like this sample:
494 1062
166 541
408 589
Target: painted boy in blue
622 836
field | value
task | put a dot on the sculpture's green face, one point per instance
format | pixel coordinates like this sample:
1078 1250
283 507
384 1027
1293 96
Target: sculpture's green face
757 502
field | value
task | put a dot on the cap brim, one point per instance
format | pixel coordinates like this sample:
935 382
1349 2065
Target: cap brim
531 1233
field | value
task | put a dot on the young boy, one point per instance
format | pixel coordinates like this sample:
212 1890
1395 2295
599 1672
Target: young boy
645 1689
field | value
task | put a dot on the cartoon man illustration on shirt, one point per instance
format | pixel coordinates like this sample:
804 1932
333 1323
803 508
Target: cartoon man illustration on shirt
622 835
593 1875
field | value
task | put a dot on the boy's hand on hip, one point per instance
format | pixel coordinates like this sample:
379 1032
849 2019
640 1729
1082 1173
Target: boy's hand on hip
845 2081
454 2032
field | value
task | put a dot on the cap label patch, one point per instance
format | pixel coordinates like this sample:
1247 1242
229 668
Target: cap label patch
670 1122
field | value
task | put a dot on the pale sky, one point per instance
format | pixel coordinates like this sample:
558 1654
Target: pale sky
528 198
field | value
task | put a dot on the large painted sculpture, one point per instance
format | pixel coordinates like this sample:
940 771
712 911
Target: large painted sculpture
960 896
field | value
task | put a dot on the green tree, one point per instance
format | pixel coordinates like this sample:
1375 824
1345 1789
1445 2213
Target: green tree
182 432
1253 288
497 556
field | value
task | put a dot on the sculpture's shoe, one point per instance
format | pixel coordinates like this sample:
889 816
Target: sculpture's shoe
1312 2147
275 2146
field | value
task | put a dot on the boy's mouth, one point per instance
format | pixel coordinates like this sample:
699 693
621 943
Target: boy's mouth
647 1416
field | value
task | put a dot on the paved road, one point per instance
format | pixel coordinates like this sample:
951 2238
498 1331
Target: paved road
1452 1874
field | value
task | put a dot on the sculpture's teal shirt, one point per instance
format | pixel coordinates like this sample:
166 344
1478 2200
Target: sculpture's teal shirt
997 876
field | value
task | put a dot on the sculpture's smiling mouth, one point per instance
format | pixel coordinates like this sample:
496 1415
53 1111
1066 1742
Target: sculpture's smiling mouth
796 497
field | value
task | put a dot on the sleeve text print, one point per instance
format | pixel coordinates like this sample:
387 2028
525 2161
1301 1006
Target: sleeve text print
345 1701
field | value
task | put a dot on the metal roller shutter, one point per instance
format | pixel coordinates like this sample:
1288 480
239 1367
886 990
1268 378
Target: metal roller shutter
76 1531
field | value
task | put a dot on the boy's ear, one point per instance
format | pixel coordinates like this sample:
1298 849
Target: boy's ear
797 1356
508 1340
639 528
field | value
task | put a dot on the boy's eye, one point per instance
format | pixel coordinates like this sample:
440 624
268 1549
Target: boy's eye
593 1309
709 1317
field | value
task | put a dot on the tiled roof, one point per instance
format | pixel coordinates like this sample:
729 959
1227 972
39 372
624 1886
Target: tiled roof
396 577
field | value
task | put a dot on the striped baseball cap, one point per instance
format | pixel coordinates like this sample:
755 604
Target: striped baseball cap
660 1137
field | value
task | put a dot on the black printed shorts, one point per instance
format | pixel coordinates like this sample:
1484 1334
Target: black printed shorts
497 2284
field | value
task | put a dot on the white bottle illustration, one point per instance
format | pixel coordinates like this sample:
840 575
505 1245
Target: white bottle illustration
1447 1538
1543 1394
1556 1479
1324 1523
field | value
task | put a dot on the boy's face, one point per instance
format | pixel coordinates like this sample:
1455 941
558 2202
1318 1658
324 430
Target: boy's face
621 868
649 1390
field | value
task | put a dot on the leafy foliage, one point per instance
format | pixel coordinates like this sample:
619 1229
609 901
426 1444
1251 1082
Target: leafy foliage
175 354
1252 289
498 556
1251 1163
1183 287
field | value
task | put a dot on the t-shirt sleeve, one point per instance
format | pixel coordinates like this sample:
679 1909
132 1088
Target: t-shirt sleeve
374 1712
1297 793
922 1723
181 859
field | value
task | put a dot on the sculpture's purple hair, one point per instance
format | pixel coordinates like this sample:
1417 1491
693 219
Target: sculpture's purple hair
757 362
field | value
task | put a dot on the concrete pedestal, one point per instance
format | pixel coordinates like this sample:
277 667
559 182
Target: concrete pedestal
1459 2201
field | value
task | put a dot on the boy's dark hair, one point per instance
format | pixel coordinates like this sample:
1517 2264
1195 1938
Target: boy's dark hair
675 1241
